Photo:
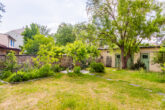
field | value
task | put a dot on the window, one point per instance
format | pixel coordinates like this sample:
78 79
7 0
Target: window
145 56
118 56
11 43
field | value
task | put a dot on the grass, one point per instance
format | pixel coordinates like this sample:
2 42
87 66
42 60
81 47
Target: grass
86 92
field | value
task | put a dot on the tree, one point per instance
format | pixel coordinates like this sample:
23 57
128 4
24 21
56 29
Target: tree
86 32
126 23
48 54
44 30
80 51
31 31
2 9
32 46
65 34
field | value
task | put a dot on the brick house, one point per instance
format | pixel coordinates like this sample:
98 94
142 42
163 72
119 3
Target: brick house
7 44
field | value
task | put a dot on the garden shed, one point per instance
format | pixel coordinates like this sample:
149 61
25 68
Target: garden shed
146 55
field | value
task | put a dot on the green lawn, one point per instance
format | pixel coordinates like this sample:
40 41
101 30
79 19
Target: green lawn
125 90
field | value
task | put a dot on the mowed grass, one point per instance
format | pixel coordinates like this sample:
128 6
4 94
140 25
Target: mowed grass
85 93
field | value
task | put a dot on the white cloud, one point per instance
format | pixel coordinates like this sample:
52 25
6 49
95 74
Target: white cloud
47 12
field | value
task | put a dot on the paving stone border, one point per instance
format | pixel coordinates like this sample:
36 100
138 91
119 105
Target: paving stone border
3 82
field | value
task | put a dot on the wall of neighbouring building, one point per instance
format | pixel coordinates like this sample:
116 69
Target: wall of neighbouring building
5 51
4 40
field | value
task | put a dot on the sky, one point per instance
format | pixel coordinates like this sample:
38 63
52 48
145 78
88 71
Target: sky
20 13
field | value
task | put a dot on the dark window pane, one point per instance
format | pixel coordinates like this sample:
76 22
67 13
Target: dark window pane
118 56
145 56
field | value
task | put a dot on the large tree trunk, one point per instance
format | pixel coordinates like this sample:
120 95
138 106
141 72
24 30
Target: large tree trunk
124 58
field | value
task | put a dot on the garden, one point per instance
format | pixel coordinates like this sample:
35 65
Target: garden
113 90
43 83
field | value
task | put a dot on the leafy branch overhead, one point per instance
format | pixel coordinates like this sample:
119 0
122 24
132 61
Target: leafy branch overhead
126 23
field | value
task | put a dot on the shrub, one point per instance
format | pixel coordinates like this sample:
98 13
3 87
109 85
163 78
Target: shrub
45 71
138 65
27 67
16 78
71 74
56 68
77 70
97 67
6 74
11 62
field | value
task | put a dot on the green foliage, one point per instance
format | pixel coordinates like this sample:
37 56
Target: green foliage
27 67
16 78
72 74
30 32
11 62
138 65
80 51
44 30
77 70
154 77
97 67
160 58
20 76
56 68
86 33
45 71
6 74
48 54
32 45
65 34
126 23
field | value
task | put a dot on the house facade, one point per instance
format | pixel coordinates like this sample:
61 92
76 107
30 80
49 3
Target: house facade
7 41
16 34
7 44
146 55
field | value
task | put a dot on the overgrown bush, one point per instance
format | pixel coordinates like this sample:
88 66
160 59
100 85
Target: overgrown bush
6 74
16 78
138 65
97 67
45 71
11 62
26 67
77 70
56 68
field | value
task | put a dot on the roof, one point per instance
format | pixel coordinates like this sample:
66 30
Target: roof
8 36
7 48
17 31
140 47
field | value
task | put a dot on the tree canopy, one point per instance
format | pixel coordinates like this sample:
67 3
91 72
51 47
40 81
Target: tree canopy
30 31
86 32
80 51
2 9
44 30
126 23
65 34
32 46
